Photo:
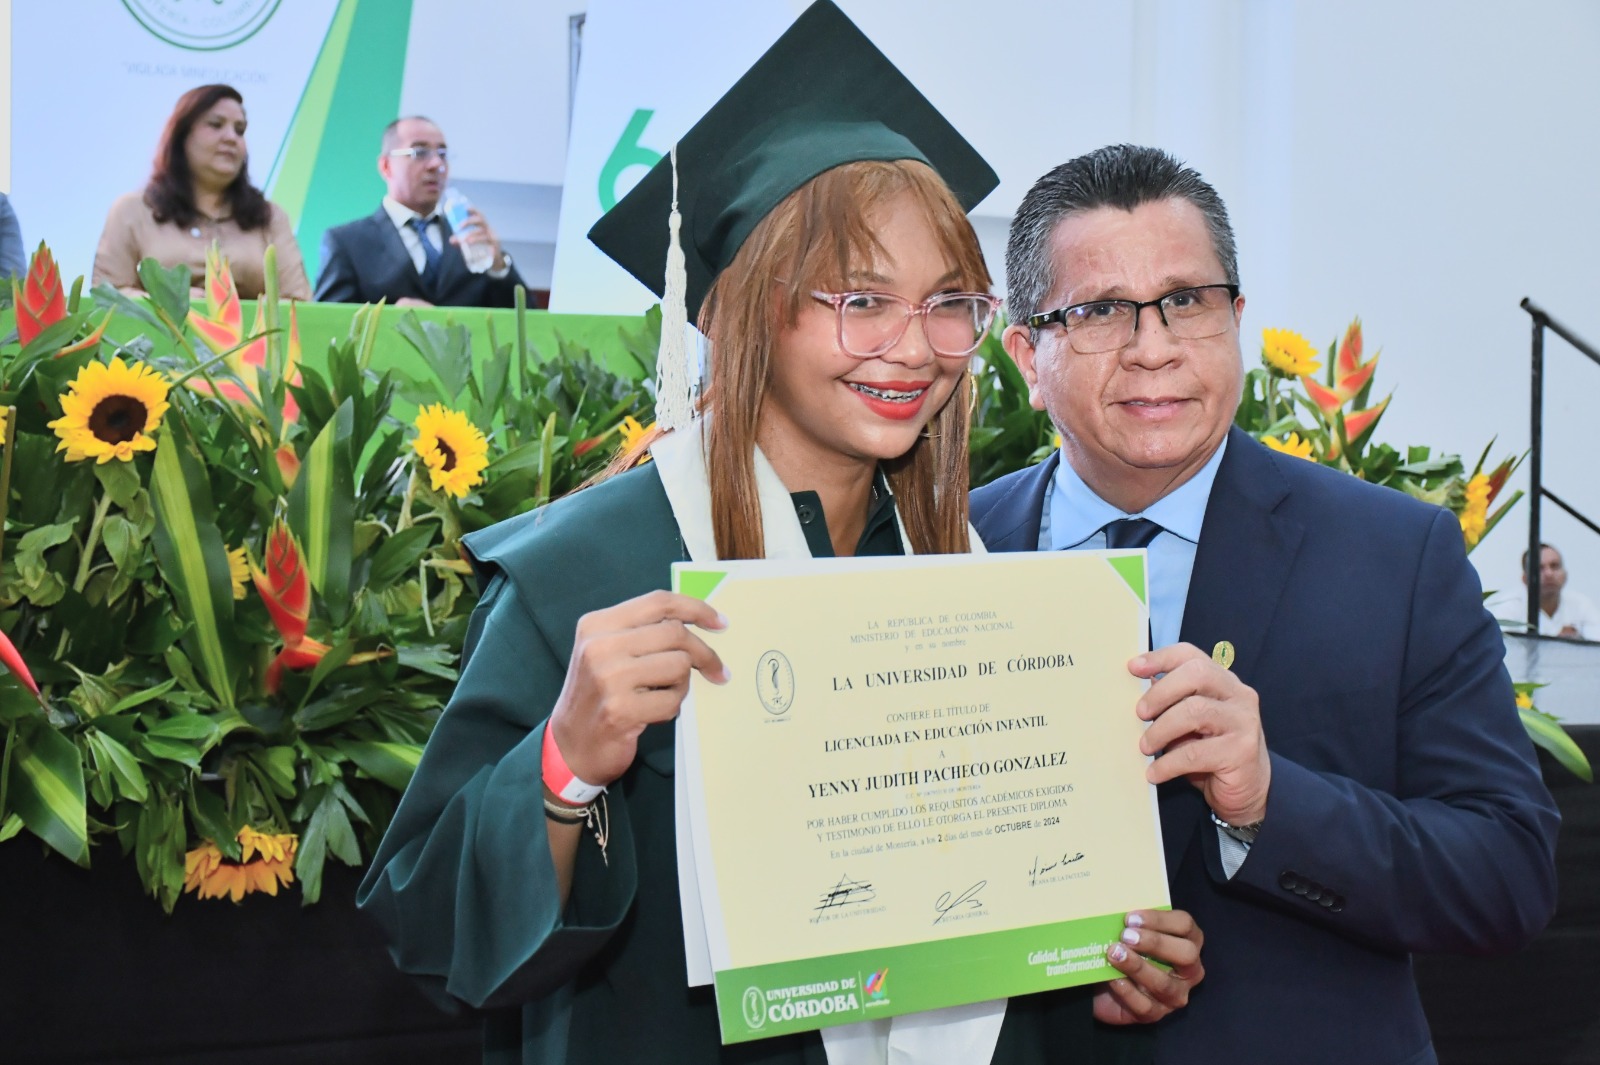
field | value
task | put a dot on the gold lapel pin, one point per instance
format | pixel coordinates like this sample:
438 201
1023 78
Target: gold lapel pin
1222 654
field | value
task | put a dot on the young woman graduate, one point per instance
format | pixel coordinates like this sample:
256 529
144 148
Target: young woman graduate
823 209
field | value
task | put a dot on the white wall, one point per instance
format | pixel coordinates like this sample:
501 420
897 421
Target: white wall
464 56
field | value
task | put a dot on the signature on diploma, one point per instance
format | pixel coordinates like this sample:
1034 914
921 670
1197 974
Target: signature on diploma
1039 869
967 900
846 892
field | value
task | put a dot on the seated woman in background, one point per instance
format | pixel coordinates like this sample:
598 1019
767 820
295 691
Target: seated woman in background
199 193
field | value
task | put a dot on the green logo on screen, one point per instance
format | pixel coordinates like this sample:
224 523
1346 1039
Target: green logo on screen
202 25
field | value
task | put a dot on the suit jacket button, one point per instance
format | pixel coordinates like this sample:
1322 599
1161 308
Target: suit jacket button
1287 880
1326 902
1337 904
1315 894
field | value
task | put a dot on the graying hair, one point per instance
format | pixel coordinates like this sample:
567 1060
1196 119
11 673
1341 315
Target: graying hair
1119 175
391 132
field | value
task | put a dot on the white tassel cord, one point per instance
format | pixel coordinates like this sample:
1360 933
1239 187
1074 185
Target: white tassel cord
674 399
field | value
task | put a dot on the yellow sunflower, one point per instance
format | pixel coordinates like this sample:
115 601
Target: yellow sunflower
265 861
5 420
1524 700
1300 449
110 412
452 448
1474 517
1288 352
239 570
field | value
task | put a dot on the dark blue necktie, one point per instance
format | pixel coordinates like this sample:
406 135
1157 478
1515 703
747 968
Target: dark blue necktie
1129 533
431 255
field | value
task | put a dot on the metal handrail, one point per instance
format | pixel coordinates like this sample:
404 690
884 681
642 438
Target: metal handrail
1537 492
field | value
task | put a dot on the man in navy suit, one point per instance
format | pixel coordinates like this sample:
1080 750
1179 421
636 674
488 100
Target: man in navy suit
404 252
1357 786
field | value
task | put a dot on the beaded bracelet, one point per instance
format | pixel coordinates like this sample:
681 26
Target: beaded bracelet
596 815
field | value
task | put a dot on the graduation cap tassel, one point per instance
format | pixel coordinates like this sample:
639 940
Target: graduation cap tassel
674 403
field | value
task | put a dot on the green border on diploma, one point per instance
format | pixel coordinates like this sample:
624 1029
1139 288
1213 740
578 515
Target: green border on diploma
761 1001
698 584
1131 568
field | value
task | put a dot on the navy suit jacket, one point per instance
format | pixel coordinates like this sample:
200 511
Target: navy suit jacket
365 261
1406 811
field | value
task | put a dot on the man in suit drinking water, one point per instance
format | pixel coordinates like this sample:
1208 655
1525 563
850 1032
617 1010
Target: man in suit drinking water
406 251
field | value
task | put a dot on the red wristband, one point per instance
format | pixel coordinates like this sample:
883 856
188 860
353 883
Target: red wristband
559 778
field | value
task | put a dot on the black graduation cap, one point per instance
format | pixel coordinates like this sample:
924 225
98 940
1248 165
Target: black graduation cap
820 97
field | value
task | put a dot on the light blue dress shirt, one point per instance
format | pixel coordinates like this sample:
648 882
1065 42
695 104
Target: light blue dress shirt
1074 519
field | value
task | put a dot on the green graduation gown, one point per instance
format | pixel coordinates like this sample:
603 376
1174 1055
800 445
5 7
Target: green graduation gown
463 883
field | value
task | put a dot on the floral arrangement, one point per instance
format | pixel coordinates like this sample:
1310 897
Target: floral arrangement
1331 421
233 585
232 582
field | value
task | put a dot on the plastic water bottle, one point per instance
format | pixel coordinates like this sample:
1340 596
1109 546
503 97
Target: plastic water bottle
455 205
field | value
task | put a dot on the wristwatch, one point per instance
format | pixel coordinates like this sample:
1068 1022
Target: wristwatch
1242 833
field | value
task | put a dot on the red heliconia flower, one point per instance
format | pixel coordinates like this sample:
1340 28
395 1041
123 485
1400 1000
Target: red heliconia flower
1498 477
89 341
285 587
221 326
1325 398
11 658
1358 422
39 300
1350 375
1350 384
288 464
1350 349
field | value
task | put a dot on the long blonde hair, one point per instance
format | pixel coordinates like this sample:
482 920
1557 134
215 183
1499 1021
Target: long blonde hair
812 240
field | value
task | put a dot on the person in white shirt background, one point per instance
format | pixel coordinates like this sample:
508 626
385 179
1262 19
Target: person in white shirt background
1570 615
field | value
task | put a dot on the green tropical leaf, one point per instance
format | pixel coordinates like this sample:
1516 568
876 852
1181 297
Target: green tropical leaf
30 560
182 727
46 788
278 765
398 556
124 767
336 656
1546 732
128 702
193 557
322 512
159 842
392 763
435 659
171 750
329 831
169 292
447 349
123 542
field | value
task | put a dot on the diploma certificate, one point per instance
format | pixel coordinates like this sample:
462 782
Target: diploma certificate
922 786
